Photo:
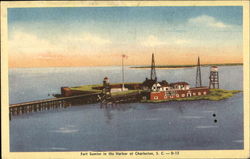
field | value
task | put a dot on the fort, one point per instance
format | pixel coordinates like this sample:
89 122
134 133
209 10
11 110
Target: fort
150 90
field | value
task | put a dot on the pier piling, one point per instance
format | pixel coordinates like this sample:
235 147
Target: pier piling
47 104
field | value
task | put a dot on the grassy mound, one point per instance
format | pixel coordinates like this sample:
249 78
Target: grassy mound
89 88
219 94
124 92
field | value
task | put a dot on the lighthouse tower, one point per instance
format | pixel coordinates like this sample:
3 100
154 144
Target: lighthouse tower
214 77
106 86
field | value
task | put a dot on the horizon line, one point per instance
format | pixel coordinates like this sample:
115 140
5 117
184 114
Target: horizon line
239 63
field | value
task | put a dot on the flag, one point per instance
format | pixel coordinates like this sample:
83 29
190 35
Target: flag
124 56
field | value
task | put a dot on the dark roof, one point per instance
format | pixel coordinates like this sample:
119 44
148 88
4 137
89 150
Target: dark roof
149 83
179 83
164 83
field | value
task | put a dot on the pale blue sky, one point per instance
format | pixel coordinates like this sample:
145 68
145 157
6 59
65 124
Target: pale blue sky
116 19
123 28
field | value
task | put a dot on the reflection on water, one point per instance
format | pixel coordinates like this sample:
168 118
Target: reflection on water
110 108
65 130
183 125
131 126
108 115
206 126
191 117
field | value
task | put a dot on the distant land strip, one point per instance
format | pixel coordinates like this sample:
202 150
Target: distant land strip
184 66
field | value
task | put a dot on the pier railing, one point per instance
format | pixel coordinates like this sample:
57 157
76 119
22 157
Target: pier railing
46 104
63 102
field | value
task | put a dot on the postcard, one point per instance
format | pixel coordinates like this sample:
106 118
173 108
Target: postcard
125 79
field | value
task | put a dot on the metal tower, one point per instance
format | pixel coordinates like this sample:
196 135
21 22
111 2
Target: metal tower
214 77
198 74
153 72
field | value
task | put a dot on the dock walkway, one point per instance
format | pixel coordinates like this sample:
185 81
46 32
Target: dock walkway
63 102
46 104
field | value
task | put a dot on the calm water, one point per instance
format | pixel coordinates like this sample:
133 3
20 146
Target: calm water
134 126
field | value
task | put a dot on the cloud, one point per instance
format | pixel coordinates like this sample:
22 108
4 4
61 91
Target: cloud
49 47
23 42
153 41
183 41
207 21
49 56
94 39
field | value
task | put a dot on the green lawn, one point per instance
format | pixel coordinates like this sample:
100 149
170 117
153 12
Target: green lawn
124 92
89 88
214 95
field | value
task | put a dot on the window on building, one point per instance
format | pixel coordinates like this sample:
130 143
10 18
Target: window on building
167 93
177 95
194 94
199 93
155 97
189 94
204 93
183 95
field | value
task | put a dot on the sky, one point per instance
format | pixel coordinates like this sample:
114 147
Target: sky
98 36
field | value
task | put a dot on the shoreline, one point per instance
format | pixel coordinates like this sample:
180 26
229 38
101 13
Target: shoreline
184 66
162 68
130 66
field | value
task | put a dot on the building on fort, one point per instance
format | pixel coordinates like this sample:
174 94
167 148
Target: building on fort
164 90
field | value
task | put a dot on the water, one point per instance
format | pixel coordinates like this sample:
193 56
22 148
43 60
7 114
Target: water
135 126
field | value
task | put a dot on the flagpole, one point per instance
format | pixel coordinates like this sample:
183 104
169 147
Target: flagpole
122 73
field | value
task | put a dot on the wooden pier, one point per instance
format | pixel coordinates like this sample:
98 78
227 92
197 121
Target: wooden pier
63 102
53 103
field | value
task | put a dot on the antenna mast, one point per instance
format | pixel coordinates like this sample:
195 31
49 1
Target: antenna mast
153 72
198 74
